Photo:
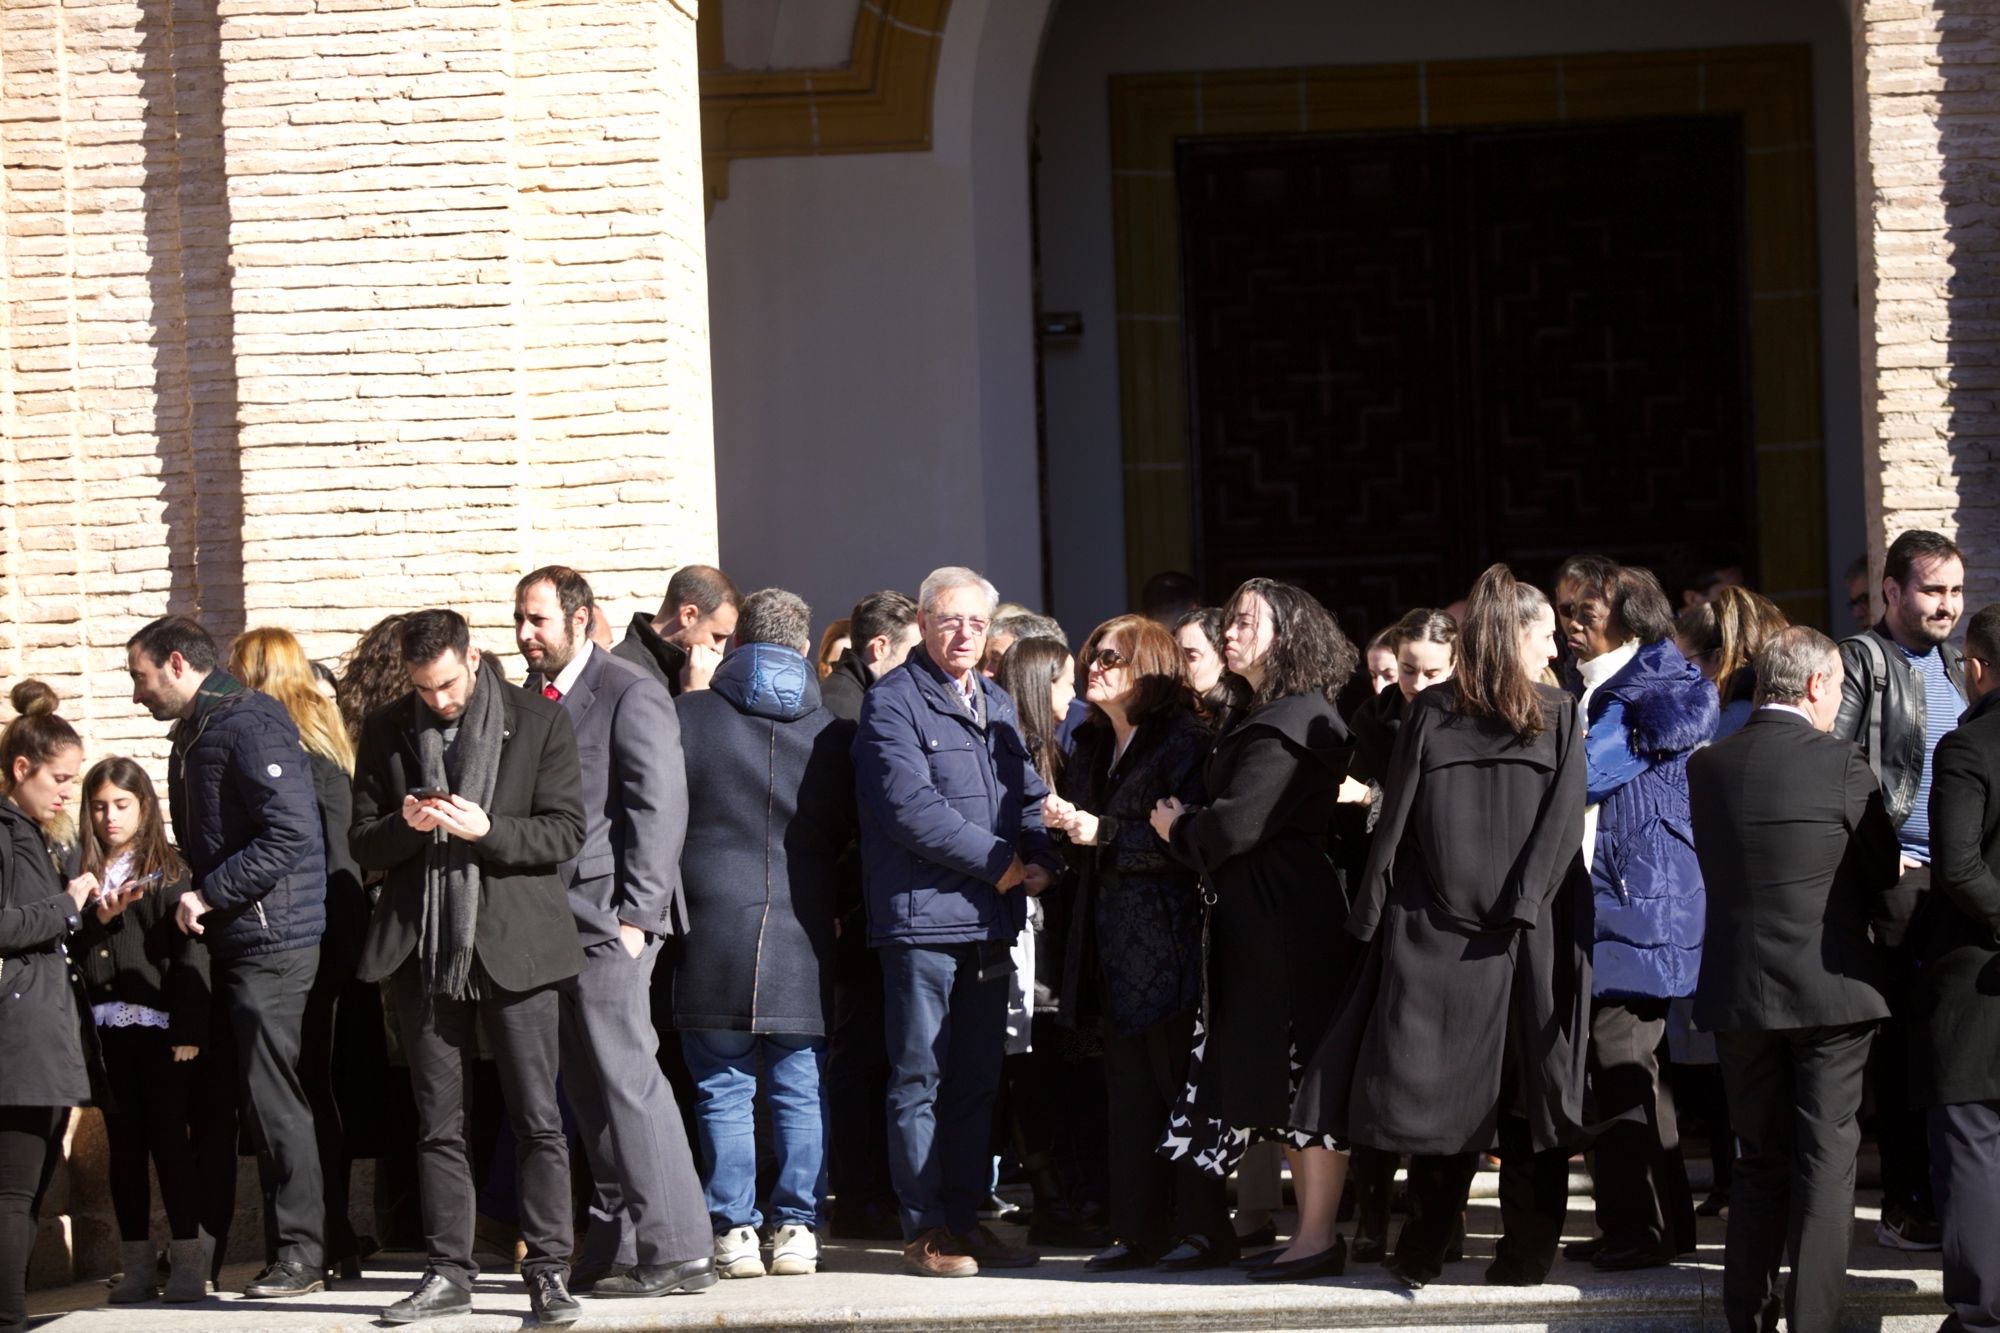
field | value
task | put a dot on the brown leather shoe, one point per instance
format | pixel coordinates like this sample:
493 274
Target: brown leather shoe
989 1251
936 1254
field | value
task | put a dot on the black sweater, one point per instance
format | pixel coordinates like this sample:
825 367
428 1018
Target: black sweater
142 958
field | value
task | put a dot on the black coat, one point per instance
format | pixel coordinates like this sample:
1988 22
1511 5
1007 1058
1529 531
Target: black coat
46 1044
1955 1005
142 957
843 687
1476 911
1274 927
347 907
241 792
646 648
1796 852
771 812
526 934
1132 954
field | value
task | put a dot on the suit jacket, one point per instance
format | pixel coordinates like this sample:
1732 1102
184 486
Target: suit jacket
1955 1004
1796 850
526 935
635 802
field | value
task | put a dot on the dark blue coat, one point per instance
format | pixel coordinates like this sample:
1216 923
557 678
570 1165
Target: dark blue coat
770 815
945 806
241 791
1643 724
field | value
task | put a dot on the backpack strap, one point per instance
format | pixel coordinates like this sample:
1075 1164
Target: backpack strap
1878 670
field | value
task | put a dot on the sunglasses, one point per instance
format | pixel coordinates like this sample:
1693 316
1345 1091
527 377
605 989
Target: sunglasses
1108 658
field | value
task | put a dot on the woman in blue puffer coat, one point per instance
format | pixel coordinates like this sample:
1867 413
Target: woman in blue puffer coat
1646 709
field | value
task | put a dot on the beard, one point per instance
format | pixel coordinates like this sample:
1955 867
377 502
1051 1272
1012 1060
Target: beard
1927 630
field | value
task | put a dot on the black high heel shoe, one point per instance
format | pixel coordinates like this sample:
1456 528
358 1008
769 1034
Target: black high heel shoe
1330 1262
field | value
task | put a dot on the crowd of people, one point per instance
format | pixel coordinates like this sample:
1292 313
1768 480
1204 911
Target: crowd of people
755 935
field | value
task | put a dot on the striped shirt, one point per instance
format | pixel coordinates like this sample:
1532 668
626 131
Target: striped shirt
1941 709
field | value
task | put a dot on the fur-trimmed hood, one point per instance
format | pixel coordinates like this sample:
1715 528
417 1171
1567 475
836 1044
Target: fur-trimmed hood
1670 707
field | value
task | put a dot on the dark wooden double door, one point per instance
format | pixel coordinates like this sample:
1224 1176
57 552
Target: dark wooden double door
1411 355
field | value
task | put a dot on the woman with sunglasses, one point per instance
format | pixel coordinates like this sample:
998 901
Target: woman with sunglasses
1131 968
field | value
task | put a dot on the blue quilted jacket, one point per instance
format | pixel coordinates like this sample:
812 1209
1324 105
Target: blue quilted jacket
1643 724
247 820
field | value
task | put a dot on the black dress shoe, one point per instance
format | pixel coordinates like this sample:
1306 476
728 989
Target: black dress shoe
1193 1253
644 1280
1626 1259
550 1299
436 1295
1258 1237
1583 1251
1409 1277
1507 1273
1118 1258
581 1280
1331 1262
285 1279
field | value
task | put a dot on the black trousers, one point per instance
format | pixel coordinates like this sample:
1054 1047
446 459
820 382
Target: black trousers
1534 1200
1965 1164
30 1147
1640 1182
521 1030
316 1075
857 1091
148 1117
1902 1131
263 1001
1154 1200
1795 1101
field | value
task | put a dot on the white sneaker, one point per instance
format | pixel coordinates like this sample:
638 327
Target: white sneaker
736 1253
794 1251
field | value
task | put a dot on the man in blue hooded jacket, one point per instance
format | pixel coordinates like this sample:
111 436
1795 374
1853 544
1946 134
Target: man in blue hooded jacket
951 835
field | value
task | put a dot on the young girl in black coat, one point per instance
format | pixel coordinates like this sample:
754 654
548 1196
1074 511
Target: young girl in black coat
147 983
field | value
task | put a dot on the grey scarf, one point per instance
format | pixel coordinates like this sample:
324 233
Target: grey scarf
451 865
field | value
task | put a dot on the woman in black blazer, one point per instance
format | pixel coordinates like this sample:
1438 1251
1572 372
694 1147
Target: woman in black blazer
42 1035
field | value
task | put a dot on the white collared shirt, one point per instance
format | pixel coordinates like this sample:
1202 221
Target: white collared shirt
1786 708
565 680
1595 672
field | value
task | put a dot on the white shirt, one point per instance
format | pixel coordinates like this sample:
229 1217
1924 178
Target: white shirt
565 680
1595 672
1786 708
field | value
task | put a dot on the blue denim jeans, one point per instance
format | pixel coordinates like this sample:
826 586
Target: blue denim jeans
945 1029
724 1066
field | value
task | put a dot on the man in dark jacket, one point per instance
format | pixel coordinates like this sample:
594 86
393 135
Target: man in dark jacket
241 794
1796 850
1955 1009
771 814
951 827
681 646
1902 690
883 629
648 1233
467 796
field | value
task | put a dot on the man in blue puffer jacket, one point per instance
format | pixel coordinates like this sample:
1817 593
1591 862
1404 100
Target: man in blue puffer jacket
1646 709
951 837
248 823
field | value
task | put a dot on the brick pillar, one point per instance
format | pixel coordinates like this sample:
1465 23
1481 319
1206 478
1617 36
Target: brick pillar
1928 144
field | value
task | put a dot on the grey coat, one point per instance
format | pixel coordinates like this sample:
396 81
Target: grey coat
635 802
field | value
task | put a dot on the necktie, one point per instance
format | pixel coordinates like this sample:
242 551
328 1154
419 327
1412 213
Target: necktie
551 692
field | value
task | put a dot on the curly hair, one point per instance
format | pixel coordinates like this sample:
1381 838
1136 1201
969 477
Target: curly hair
371 673
1308 651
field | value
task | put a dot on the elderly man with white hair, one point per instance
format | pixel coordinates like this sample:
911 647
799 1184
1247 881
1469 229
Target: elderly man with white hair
951 842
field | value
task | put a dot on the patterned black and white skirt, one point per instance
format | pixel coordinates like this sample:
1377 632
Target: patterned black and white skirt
1215 1147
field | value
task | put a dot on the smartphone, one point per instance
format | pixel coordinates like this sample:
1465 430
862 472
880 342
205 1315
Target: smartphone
431 793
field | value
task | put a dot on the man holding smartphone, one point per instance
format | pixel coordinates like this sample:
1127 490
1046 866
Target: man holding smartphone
466 793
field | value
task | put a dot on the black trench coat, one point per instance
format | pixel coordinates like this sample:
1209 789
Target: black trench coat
1476 910
1274 929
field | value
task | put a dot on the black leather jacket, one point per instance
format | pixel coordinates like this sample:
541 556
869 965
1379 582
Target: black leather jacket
1900 766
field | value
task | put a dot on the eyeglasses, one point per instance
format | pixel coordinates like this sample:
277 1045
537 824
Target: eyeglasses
972 625
1108 658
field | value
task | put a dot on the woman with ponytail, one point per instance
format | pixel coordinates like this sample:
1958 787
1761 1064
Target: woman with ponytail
272 662
1468 1020
47 1065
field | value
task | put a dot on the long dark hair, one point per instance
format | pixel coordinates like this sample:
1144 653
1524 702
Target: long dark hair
1308 654
1027 672
1229 693
371 674
155 863
1491 677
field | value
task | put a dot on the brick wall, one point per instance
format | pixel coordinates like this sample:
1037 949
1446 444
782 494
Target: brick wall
1928 110
320 309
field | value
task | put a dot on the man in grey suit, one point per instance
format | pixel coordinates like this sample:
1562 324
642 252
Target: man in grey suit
649 1232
